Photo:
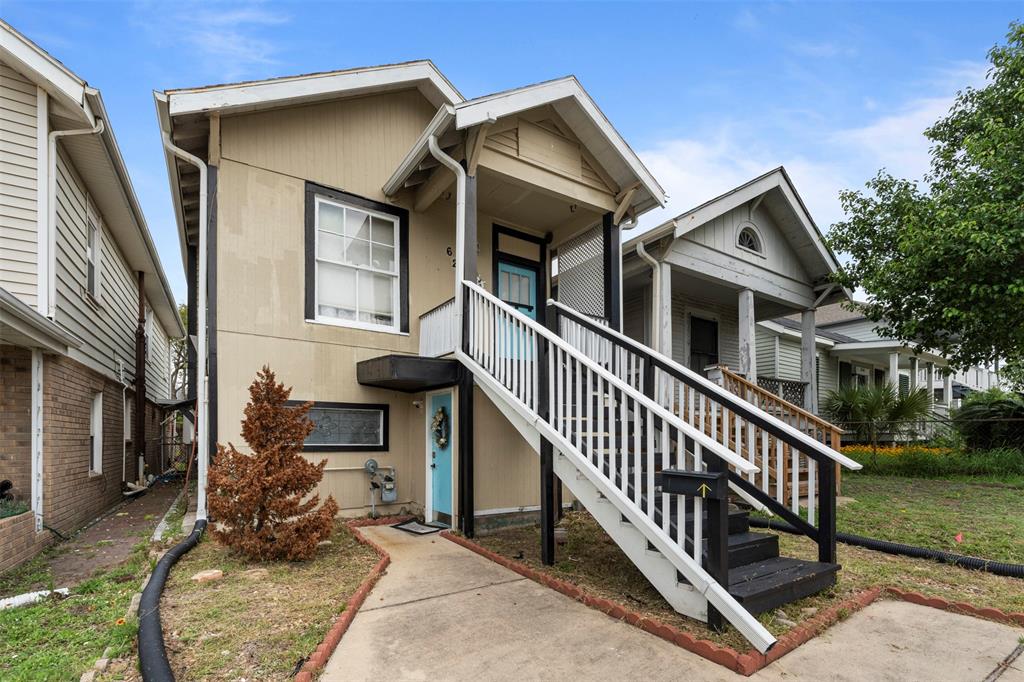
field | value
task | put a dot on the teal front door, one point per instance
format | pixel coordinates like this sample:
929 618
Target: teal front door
517 286
440 455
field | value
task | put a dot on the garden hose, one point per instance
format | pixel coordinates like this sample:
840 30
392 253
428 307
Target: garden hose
968 562
152 654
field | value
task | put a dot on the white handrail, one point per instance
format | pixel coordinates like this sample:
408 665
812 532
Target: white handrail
716 448
815 445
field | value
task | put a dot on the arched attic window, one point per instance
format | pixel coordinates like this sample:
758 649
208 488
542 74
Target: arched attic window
749 239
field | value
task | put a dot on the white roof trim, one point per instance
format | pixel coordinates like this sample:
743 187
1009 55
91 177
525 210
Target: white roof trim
249 96
442 119
489 107
792 333
41 331
35 63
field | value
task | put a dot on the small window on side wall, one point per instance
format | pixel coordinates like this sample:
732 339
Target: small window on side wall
347 427
96 434
750 240
92 255
356 261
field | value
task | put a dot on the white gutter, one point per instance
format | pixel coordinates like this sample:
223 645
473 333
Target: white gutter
203 395
50 243
655 294
460 229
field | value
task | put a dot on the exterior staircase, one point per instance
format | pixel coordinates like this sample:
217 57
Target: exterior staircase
635 436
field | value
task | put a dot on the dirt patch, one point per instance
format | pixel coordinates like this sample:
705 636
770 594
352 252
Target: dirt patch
260 620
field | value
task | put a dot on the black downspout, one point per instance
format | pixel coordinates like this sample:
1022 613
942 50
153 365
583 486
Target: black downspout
548 481
139 430
211 304
192 262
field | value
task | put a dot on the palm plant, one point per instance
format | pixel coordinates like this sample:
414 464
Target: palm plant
870 411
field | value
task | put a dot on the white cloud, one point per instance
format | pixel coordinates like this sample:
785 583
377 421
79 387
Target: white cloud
822 49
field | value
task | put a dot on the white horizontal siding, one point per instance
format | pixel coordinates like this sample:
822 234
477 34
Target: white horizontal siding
634 314
107 330
862 330
828 375
18 185
158 384
789 359
764 342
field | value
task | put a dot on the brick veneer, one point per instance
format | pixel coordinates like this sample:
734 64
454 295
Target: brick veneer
16 419
19 540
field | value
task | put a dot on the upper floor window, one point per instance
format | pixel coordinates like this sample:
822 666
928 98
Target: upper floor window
750 240
92 257
356 265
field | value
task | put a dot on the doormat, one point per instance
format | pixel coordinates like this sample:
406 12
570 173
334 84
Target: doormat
416 528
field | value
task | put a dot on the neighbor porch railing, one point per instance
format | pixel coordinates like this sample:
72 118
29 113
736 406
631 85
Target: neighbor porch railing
787 389
787 412
437 330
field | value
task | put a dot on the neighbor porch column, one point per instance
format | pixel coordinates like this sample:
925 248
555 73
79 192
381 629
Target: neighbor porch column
929 381
612 271
893 377
748 350
913 373
947 388
808 354
664 332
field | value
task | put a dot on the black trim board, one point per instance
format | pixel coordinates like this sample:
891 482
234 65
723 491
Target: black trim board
408 373
540 267
386 426
211 305
312 191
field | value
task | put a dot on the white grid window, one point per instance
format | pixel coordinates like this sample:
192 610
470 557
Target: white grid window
357 275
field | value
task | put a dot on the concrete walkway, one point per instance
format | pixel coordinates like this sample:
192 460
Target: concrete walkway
444 613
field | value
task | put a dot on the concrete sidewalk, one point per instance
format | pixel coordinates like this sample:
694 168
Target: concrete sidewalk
444 613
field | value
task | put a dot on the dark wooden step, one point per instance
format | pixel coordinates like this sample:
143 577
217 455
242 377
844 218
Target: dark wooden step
750 547
767 584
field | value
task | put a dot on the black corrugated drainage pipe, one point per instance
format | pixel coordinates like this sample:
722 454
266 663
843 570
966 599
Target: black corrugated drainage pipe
152 655
969 562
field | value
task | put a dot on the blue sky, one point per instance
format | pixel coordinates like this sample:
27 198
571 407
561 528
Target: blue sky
708 94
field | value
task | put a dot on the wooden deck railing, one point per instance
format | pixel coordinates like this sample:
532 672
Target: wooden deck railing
804 421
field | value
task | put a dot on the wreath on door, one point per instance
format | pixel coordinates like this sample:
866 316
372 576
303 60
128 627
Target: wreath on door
439 428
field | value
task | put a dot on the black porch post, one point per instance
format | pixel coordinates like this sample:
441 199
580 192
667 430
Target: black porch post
612 272
827 512
548 481
717 561
469 270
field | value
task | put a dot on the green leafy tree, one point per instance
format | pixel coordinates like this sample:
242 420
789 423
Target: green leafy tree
871 412
943 265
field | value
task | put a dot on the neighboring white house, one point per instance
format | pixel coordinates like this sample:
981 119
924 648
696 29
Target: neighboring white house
86 313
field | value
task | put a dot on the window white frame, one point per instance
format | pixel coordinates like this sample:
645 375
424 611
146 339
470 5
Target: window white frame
395 274
747 226
96 434
93 252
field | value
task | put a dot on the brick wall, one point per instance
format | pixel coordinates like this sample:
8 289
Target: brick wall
72 494
19 540
16 419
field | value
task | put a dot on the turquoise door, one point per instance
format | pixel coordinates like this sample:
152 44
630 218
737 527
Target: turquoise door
441 457
517 286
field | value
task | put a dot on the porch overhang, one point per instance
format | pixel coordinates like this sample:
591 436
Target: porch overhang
465 126
408 373
878 352
22 326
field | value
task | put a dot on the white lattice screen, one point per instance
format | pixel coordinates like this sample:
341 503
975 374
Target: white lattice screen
581 273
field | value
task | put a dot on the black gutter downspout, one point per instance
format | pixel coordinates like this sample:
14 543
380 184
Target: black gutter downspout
211 304
152 654
192 261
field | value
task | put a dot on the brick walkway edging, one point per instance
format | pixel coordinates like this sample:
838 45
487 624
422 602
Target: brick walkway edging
749 662
318 659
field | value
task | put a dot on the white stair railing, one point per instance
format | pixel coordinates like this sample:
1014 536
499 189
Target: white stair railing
780 451
617 436
437 330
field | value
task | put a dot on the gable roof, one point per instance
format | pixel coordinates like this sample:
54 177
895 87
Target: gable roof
776 183
77 105
247 96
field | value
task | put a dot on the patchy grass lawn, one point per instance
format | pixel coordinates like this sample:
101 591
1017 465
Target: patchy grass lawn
58 638
591 560
260 620
931 513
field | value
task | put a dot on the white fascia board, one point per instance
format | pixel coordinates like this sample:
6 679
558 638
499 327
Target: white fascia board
493 107
706 212
789 191
33 62
163 119
792 333
241 97
437 126
46 333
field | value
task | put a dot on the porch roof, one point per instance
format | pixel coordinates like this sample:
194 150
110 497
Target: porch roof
21 325
637 188
878 351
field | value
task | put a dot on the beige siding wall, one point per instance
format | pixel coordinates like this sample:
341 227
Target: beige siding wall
18 190
106 327
353 146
